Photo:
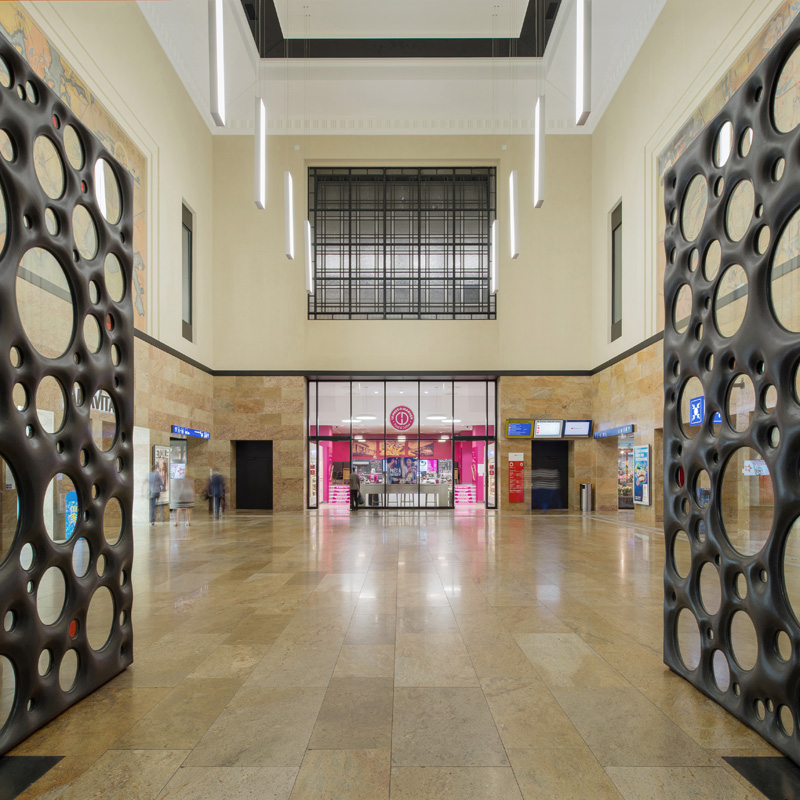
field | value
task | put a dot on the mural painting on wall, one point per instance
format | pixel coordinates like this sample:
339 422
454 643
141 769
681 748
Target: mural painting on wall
708 109
48 64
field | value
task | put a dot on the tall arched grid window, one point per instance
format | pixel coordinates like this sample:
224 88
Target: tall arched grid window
401 243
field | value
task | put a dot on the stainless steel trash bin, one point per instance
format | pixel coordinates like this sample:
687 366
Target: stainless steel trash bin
586 497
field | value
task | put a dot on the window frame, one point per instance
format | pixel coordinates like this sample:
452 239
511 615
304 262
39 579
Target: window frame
616 272
187 292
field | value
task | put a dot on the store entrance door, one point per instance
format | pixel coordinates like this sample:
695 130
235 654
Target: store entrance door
549 474
254 475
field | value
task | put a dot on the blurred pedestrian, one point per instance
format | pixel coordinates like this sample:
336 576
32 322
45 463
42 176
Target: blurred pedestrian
155 485
216 491
184 500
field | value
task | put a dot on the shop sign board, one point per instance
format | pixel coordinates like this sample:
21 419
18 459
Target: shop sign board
181 431
620 431
516 478
402 418
641 475
312 474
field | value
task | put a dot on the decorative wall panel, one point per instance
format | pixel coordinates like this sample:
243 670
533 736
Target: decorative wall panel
732 408
66 406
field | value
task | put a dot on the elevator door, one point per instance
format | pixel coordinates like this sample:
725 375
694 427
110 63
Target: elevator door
254 475
552 456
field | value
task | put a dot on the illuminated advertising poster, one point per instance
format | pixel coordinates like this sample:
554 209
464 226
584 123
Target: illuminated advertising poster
394 468
516 479
641 475
161 461
312 475
491 482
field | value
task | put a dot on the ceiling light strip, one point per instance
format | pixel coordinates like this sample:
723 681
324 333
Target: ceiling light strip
288 209
583 62
309 260
538 152
261 155
513 220
494 274
216 55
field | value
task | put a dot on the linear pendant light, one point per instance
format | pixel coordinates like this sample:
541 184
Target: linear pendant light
538 152
217 61
288 207
261 154
494 267
583 63
309 258
513 217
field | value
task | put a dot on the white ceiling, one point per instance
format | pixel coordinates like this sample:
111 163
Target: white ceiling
401 96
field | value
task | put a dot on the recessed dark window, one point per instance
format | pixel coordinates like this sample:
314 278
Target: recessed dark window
616 273
187 260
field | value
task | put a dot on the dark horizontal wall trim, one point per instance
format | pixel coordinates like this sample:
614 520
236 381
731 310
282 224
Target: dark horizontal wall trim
330 375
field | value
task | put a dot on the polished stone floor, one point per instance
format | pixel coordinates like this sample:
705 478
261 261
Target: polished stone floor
402 654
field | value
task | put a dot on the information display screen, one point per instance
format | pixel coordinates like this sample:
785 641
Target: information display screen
577 427
519 429
427 465
548 428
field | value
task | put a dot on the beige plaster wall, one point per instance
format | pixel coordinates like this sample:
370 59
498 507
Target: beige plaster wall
260 306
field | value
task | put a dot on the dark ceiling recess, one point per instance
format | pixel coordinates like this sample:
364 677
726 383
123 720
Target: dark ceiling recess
536 28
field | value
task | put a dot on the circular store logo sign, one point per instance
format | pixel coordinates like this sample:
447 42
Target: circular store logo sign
402 418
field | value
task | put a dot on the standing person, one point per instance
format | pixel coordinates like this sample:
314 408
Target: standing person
155 487
216 490
355 488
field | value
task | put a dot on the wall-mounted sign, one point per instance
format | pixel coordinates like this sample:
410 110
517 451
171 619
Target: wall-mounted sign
756 466
402 418
519 428
547 428
641 475
516 479
697 411
190 432
577 427
102 402
620 431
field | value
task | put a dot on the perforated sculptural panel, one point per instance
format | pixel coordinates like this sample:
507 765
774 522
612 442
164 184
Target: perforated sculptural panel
732 409
66 406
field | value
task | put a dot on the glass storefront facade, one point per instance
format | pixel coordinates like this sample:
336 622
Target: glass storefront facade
413 443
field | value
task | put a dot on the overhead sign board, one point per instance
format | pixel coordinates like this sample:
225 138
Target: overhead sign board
181 431
620 431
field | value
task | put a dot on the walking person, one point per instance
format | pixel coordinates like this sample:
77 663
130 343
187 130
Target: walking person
155 485
216 491
355 489
184 500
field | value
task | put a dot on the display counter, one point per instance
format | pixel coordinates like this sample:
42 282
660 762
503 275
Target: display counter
441 491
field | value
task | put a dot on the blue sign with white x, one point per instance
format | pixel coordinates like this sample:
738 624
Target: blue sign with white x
697 411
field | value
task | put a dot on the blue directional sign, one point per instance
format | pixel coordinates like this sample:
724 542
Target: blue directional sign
621 431
697 412
191 432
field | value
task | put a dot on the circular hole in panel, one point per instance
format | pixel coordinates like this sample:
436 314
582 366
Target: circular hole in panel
26 556
8 689
15 357
785 112
31 586
10 509
60 508
784 280
722 671
123 578
719 187
723 144
50 403
26 221
29 432
778 169
10 621
688 639
73 148
95 491
51 221
101 565
682 312
50 596
759 211
115 356
119 464
783 645
744 642
115 283
74 627
107 191
761 710
45 662
112 521
741 403
682 554
56 122
103 420
19 396
710 589
702 489
122 618
81 556
690 417
673 255
740 584
740 210
91 333
785 720
774 436
730 300
694 259
710 362
746 501
94 292
21 92
762 576
32 93
46 314
48 167
100 618
761 367
5 80
712 260
109 322
762 240
693 212
84 457
7 149
84 232
791 568
77 394
770 398
746 142
68 671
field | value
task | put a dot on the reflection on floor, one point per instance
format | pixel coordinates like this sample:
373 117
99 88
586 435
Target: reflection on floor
430 654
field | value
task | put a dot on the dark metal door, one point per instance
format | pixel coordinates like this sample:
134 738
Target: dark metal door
553 455
254 475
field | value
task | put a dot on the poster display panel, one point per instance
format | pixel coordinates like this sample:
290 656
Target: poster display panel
641 475
161 462
516 479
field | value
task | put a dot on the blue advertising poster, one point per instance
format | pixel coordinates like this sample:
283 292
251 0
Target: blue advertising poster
70 514
641 475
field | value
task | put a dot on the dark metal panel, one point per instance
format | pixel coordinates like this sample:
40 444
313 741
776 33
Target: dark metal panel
766 352
36 456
